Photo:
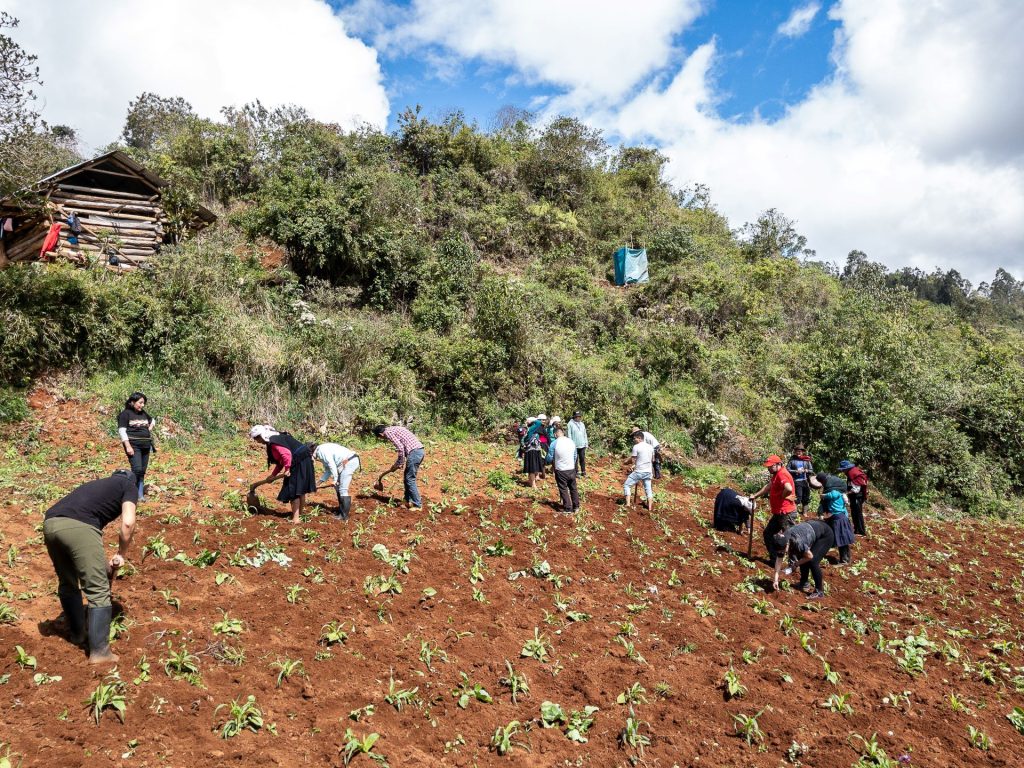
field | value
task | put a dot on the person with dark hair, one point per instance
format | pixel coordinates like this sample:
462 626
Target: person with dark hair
808 543
832 509
291 460
781 502
135 428
545 440
533 459
801 468
652 441
73 532
410 455
340 464
732 511
857 489
562 455
578 434
643 467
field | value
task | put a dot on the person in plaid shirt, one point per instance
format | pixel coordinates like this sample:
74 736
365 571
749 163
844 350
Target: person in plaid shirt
410 455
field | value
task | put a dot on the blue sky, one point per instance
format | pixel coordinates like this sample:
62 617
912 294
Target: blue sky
759 72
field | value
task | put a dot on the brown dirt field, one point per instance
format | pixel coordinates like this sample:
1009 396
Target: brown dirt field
663 573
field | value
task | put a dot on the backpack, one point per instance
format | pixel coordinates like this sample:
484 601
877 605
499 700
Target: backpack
74 224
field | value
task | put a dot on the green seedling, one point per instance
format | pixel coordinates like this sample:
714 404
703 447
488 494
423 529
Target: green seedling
501 741
400 698
286 668
355 745
579 723
536 647
839 702
181 663
516 682
632 736
228 626
429 652
23 659
467 691
7 614
635 694
294 593
333 633
109 695
359 714
551 715
241 717
979 738
748 728
734 689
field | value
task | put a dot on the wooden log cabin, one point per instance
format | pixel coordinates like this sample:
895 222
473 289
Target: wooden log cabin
118 204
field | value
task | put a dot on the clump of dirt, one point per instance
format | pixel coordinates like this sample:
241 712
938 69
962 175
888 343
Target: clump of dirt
640 615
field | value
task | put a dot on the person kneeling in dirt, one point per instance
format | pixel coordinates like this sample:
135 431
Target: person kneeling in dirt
808 543
340 464
643 467
732 511
73 532
833 510
563 455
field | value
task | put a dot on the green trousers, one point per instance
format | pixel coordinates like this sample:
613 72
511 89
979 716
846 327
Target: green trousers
76 549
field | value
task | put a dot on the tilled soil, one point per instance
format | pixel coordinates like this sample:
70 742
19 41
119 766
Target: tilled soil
658 600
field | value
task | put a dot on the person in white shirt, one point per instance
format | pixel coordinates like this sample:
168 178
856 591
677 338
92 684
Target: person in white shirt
652 441
563 455
339 463
643 467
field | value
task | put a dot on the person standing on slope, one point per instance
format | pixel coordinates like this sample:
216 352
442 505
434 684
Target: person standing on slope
801 468
73 532
563 455
833 510
135 428
340 464
643 467
578 435
652 441
533 460
410 455
857 489
781 501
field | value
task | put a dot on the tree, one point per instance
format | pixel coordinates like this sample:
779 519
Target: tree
863 273
774 236
18 120
152 118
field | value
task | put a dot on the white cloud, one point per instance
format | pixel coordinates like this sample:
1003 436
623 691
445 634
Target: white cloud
595 48
214 53
799 22
911 152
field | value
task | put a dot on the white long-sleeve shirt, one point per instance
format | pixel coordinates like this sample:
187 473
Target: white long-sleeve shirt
332 456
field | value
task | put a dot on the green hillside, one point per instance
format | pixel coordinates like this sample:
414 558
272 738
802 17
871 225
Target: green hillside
460 277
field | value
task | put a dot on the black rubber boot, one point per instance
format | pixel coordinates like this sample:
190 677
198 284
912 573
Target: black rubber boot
346 507
99 635
74 614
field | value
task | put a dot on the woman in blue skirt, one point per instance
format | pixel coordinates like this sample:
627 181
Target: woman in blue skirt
833 510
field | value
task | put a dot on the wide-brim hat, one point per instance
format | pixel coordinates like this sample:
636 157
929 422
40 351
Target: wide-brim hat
844 465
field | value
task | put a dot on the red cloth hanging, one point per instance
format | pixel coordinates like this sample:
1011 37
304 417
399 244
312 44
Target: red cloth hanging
52 238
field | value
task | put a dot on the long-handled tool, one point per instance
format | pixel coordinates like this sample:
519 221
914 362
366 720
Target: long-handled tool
750 531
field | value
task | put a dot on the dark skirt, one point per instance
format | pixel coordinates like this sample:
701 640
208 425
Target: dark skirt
843 530
302 479
533 462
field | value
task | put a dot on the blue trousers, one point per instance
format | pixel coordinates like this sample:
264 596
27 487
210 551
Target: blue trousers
412 467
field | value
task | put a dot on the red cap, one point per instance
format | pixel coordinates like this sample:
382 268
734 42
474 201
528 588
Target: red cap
772 460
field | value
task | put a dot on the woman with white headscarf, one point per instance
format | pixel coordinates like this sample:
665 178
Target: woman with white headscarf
291 460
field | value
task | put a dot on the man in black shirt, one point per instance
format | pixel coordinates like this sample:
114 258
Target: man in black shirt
73 531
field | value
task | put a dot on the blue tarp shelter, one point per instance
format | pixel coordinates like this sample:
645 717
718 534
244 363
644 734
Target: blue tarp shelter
631 266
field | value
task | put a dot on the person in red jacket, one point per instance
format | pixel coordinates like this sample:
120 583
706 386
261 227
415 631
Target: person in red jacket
781 493
857 492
